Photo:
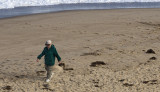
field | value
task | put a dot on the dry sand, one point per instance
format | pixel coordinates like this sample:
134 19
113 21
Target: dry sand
119 38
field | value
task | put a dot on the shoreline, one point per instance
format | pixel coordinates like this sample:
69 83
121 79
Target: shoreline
63 11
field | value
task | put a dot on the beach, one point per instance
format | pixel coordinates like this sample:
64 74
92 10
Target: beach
125 42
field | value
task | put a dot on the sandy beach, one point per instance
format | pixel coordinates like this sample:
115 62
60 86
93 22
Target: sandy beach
118 39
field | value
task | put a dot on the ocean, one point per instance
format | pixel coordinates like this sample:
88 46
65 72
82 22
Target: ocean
27 10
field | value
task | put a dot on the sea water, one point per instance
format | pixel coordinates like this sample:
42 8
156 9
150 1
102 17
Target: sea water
12 11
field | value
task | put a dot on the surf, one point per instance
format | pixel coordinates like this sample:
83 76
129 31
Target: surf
4 4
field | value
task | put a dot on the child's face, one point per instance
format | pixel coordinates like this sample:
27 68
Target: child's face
48 45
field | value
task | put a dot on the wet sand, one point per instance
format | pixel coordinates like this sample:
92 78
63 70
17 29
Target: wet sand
103 50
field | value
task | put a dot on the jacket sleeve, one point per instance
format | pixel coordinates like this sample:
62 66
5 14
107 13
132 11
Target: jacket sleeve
57 55
42 54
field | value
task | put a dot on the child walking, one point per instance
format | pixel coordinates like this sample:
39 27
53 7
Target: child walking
49 52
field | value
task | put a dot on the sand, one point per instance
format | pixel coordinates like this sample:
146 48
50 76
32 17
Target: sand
118 39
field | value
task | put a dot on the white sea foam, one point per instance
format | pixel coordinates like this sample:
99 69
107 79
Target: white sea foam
19 3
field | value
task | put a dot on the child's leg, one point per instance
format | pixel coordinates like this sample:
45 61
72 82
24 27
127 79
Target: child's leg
46 67
49 70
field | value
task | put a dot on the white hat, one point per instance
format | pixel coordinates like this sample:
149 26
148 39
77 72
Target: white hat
48 42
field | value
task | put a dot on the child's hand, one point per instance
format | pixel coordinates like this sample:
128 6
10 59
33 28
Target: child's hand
60 62
37 60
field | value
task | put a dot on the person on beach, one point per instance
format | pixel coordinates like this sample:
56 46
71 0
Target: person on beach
50 53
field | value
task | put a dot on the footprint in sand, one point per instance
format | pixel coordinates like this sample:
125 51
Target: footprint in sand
41 73
8 60
95 53
47 87
96 33
26 59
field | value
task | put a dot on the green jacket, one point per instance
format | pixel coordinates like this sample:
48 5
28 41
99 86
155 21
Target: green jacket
50 55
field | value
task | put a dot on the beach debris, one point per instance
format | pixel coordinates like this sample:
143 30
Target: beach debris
152 82
7 88
97 63
20 76
153 58
127 85
67 69
145 82
121 80
96 53
40 73
150 51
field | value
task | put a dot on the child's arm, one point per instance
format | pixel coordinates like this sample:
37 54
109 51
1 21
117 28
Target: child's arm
41 55
57 55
